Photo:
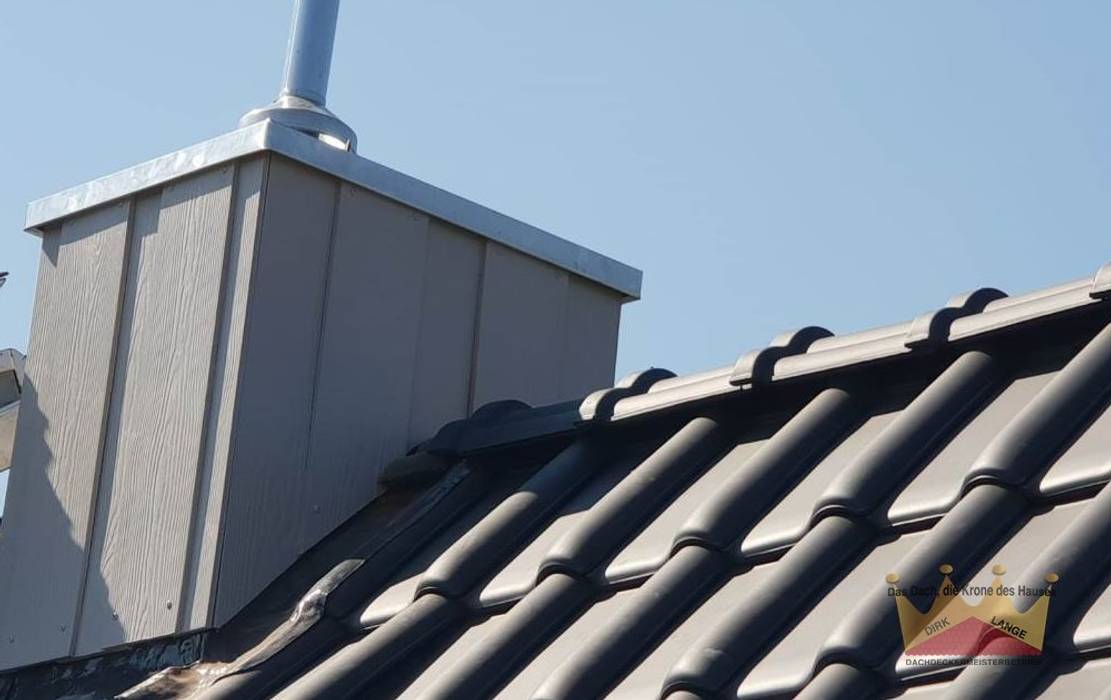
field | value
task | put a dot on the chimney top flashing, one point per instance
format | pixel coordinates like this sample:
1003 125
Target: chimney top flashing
267 136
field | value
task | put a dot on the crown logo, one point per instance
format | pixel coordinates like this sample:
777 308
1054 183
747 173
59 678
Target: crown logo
953 628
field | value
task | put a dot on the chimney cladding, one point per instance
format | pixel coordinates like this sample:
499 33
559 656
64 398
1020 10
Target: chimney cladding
304 91
276 405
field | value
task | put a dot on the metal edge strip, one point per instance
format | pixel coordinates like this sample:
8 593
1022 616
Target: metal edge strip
152 173
267 136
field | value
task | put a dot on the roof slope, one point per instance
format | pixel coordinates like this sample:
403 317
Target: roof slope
728 534
11 380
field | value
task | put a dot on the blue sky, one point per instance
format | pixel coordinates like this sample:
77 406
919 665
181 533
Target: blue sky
767 164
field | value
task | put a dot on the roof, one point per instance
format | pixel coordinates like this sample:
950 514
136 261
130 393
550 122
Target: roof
11 380
725 534
267 136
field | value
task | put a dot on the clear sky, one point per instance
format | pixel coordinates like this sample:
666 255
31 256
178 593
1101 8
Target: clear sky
767 164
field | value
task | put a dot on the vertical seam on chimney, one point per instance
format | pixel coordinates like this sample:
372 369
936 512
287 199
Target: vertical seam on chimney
476 327
303 521
218 554
565 342
188 589
420 330
109 397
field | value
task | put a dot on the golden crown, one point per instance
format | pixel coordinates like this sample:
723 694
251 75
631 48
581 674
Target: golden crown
995 609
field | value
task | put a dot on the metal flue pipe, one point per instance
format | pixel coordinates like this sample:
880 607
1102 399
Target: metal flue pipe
304 91
308 57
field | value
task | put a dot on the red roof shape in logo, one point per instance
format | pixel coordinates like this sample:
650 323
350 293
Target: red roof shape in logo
973 637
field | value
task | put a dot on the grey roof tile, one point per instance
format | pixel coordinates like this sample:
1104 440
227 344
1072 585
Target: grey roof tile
1087 461
937 487
727 516
403 586
651 547
683 581
527 681
515 578
1093 630
1090 679
790 662
636 498
648 676
790 518
727 534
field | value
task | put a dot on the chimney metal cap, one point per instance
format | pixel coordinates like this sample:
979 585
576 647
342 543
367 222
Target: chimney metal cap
303 115
308 63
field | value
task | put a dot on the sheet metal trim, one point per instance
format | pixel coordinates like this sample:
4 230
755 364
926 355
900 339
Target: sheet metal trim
271 137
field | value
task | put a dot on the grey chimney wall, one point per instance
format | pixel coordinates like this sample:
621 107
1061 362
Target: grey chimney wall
220 365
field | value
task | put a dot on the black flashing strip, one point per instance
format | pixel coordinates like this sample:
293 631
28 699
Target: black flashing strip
450 438
1080 557
759 483
450 498
1022 450
932 329
261 680
599 405
738 639
1101 283
756 366
528 626
503 423
527 426
621 512
493 540
597 665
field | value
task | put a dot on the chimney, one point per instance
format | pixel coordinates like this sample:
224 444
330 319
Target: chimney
230 341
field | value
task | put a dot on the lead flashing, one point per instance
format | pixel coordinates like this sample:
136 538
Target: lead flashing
270 137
